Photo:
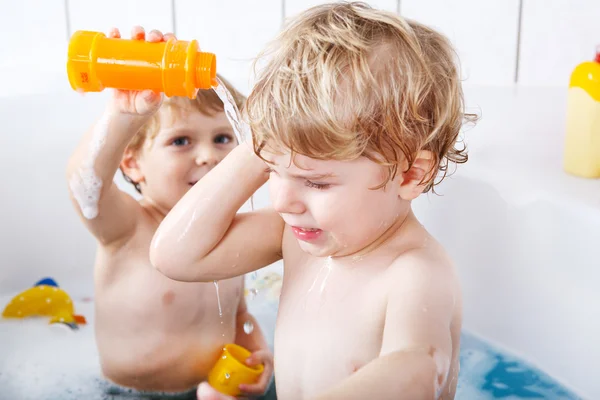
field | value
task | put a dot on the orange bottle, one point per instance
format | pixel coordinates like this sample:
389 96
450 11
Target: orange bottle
175 67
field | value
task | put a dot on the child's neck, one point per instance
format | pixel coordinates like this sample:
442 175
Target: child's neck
401 223
157 212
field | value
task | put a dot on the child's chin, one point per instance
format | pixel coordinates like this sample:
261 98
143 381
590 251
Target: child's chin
315 249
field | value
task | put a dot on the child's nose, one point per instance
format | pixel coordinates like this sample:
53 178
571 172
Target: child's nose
286 199
206 156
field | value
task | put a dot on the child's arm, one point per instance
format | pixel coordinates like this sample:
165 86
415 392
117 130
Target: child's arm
106 211
203 239
416 351
256 343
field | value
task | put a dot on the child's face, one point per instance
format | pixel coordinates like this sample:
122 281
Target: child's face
181 154
331 206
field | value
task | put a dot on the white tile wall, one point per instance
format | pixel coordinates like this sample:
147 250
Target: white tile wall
484 34
235 31
555 35
32 31
94 15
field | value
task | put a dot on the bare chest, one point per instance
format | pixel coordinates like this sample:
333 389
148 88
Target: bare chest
126 281
329 319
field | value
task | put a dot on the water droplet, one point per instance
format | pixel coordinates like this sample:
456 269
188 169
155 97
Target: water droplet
48 300
248 327
218 298
227 376
253 293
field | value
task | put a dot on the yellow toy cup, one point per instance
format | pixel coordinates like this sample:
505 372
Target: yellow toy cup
231 370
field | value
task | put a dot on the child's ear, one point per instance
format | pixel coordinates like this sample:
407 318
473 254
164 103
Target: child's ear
411 185
130 166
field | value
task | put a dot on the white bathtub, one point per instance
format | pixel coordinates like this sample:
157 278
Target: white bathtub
524 235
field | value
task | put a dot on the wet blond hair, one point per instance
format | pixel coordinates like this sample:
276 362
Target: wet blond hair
344 80
207 102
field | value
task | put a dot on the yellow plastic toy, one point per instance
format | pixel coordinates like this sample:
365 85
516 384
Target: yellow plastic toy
175 67
582 144
45 299
231 370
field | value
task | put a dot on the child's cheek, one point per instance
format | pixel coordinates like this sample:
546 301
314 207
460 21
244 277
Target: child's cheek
330 211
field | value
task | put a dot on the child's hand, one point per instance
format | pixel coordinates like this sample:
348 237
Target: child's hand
206 392
134 102
259 357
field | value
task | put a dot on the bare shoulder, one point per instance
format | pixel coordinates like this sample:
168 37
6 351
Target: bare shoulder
130 252
424 272
144 223
423 300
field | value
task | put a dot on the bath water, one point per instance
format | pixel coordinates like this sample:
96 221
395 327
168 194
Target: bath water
49 362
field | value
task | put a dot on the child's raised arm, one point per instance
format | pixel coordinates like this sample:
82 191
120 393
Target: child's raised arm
203 239
106 211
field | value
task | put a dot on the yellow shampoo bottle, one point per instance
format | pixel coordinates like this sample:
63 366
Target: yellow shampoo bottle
582 144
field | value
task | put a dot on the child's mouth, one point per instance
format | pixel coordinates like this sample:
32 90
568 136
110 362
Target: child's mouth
306 234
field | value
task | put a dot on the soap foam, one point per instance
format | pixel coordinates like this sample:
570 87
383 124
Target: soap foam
85 185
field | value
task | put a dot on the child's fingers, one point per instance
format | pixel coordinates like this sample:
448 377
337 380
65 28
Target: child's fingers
138 33
206 392
114 33
257 388
260 387
253 360
150 96
258 357
168 36
154 36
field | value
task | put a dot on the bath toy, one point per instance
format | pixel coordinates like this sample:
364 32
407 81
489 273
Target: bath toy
45 299
582 142
231 370
175 67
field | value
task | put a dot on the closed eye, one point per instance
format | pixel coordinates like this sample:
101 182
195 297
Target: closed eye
318 186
